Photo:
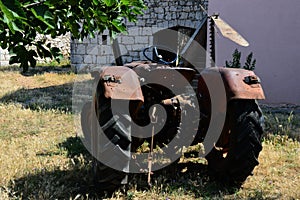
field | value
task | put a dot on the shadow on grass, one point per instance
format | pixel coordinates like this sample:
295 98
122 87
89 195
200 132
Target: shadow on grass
57 97
41 69
77 182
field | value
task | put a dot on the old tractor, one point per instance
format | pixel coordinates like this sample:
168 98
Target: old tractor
170 107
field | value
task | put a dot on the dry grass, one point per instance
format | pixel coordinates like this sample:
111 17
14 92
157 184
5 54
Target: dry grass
41 158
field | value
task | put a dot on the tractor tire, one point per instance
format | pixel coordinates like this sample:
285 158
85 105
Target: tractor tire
234 158
105 178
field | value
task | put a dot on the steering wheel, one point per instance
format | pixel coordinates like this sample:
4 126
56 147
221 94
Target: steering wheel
160 58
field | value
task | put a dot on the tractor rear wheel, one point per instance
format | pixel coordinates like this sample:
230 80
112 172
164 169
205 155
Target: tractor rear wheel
236 153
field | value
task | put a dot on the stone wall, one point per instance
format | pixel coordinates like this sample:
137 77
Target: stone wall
161 14
62 42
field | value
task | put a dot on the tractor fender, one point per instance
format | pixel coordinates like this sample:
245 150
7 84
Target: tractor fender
119 82
113 143
239 83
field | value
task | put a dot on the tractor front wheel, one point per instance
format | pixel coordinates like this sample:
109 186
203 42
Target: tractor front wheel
235 155
105 178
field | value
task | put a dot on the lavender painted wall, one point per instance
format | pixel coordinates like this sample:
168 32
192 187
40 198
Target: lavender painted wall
272 28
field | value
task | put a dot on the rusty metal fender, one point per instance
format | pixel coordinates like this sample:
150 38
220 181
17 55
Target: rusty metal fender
119 82
239 83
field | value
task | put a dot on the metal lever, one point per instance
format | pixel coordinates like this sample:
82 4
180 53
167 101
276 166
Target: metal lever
153 118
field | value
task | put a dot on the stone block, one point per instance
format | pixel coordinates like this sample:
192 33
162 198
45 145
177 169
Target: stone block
138 47
181 22
123 49
146 16
159 10
150 40
127 40
101 60
173 9
165 24
189 3
141 40
92 49
110 60
141 23
77 59
81 49
168 16
133 32
127 59
105 50
182 3
88 59
173 23
128 47
134 53
142 57
188 23
94 57
160 16
183 15
192 15
198 16
150 22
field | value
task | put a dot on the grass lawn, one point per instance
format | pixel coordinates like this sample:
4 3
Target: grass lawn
41 157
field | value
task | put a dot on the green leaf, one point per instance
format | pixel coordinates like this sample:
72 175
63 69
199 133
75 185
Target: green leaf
96 2
109 3
9 24
137 3
15 27
6 12
15 6
119 25
55 51
137 11
41 13
14 59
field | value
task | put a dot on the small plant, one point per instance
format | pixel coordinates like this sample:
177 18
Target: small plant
236 63
282 124
250 65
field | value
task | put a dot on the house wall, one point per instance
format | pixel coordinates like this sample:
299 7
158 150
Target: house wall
272 28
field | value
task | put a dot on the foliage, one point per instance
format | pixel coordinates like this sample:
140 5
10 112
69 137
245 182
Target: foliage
250 65
281 123
235 63
22 20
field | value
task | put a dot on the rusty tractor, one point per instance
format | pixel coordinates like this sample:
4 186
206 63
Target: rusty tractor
154 102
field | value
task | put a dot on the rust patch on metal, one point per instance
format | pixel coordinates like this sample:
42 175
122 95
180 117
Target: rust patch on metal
241 84
120 83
